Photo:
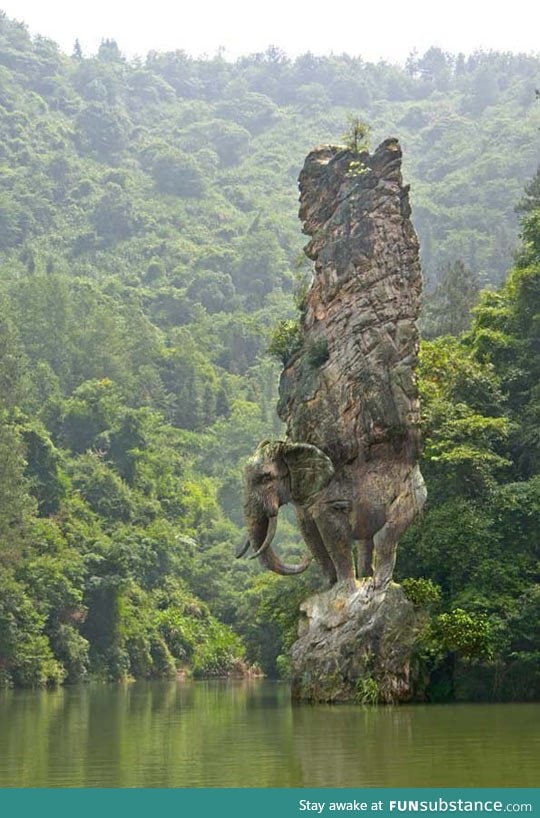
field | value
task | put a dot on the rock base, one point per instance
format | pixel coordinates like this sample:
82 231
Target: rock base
355 646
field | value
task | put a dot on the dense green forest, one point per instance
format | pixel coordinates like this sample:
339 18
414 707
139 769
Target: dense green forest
149 243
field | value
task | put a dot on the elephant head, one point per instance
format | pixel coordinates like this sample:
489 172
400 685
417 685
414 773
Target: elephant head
277 473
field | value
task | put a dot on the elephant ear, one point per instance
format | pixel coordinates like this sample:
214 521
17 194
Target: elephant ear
309 468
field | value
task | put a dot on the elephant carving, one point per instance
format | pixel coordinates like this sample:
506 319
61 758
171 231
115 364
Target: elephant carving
347 392
331 513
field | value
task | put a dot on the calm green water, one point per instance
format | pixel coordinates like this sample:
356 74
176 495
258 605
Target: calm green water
247 734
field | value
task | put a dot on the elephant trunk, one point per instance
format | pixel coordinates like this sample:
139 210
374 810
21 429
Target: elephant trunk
261 533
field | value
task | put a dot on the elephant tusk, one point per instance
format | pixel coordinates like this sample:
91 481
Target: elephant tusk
243 549
270 534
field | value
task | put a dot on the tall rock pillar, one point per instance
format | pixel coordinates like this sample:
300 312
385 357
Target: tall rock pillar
351 391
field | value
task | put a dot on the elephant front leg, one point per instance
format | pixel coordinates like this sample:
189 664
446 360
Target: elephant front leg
314 542
335 530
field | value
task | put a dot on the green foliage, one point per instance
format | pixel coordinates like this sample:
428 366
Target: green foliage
102 130
460 632
448 309
47 481
367 691
525 644
71 650
196 637
285 341
105 492
268 619
177 173
16 504
356 136
422 592
356 168
27 658
465 432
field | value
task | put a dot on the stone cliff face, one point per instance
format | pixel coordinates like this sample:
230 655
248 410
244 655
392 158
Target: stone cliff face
351 390
356 647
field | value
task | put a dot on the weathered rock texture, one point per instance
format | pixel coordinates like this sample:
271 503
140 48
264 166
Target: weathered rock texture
361 404
355 647
350 391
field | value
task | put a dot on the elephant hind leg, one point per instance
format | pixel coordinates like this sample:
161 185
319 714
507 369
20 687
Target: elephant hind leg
365 558
384 557
400 515
315 543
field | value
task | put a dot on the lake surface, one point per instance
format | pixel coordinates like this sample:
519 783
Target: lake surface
247 734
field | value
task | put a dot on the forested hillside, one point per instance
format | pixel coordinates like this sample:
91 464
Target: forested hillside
149 243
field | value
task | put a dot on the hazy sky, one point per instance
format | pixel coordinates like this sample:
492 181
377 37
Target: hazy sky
388 29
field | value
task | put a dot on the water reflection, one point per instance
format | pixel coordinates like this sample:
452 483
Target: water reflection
247 734
437 745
